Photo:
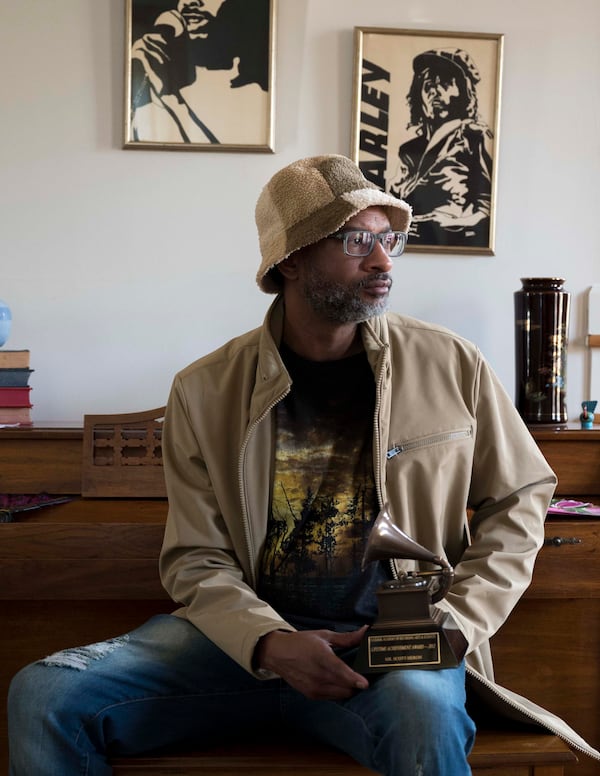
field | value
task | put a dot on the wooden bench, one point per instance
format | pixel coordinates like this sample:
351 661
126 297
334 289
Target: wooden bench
496 753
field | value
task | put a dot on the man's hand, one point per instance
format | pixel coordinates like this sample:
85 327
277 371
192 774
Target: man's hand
307 662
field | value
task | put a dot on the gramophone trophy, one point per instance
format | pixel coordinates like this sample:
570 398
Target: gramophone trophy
409 632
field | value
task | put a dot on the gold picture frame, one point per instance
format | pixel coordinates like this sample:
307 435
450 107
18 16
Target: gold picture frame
200 76
425 128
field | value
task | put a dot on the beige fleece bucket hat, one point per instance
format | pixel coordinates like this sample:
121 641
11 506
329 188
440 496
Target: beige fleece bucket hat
311 199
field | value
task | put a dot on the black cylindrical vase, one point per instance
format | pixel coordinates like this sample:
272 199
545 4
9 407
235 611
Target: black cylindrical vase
541 338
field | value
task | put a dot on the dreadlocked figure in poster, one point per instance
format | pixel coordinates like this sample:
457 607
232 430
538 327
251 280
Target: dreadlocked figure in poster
445 170
188 69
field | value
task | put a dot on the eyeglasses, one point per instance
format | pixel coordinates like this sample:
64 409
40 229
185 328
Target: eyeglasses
359 242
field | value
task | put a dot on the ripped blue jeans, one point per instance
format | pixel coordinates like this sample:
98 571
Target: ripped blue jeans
166 683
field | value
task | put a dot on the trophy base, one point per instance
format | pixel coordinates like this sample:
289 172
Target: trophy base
428 644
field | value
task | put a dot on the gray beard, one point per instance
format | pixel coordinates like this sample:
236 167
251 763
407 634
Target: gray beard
341 303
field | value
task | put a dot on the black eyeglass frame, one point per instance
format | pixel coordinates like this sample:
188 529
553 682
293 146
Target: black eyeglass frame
346 234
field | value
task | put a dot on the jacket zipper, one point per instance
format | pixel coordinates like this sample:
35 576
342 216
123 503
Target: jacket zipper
376 435
418 444
242 486
377 445
529 714
428 441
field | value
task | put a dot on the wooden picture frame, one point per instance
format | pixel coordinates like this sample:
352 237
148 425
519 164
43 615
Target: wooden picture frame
426 116
199 76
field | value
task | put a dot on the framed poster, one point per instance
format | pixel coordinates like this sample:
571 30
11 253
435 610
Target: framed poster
426 114
199 74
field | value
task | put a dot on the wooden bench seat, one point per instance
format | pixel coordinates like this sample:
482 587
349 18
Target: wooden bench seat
496 753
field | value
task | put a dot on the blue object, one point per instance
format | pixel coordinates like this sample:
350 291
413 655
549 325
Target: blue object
5 322
587 416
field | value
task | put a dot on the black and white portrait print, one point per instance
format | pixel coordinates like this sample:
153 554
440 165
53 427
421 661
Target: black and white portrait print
199 72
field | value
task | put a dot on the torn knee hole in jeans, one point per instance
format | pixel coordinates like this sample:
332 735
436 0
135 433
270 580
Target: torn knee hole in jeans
79 658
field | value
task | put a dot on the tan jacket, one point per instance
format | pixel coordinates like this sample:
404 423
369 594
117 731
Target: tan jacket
446 438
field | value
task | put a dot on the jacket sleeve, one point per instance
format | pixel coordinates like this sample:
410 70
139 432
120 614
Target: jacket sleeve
201 561
511 487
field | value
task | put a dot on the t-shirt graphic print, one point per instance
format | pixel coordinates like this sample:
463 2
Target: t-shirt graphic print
324 500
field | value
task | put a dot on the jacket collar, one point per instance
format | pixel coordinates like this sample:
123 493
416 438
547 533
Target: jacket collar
374 333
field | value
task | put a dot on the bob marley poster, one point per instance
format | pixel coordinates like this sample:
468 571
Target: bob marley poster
425 129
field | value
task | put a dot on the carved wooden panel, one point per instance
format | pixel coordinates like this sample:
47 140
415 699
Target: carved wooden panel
122 455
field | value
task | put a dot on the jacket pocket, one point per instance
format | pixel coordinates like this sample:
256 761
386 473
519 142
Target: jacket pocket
441 438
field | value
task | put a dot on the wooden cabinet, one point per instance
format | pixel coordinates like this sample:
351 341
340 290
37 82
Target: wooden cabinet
87 570
574 455
549 649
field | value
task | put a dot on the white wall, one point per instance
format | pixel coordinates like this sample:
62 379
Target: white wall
122 266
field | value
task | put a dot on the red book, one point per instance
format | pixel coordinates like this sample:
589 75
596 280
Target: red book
15 397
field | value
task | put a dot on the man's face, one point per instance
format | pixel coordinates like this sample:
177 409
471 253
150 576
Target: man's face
348 289
440 94
198 14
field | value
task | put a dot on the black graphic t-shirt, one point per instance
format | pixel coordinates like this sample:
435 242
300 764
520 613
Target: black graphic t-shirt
324 501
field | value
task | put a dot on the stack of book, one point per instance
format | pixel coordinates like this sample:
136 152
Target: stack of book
15 399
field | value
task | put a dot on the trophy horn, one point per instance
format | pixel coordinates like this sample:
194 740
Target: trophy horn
386 541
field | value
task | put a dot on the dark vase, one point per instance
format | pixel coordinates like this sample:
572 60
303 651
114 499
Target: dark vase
541 338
